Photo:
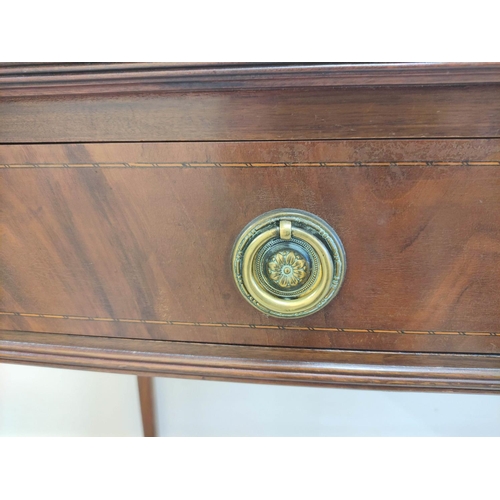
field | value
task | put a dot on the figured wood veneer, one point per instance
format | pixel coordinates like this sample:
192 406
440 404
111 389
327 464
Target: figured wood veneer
141 249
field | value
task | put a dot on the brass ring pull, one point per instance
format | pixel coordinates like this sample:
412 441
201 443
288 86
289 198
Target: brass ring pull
288 263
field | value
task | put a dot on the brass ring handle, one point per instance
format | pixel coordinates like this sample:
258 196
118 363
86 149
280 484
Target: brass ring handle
288 263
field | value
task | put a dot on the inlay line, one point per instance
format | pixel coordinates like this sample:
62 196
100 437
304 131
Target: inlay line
70 317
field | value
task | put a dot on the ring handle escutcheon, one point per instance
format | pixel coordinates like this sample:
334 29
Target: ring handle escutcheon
288 263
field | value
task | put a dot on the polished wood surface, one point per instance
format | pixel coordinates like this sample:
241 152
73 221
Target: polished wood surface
135 241
274 114
31 79
124 185
147 401
319 367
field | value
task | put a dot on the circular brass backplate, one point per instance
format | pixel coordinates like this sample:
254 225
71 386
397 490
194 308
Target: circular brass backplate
288 263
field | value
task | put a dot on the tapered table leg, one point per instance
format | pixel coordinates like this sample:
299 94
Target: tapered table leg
146 397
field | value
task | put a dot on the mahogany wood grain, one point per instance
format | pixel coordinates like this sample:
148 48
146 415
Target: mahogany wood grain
273 114
141 251
147 401
118 252
323 368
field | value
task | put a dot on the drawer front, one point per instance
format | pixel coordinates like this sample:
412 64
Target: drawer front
135 240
